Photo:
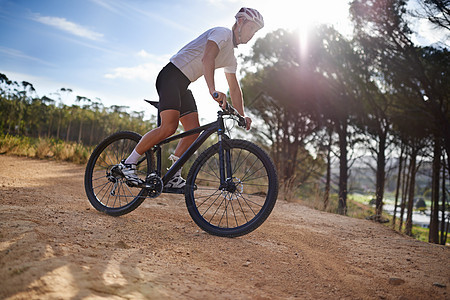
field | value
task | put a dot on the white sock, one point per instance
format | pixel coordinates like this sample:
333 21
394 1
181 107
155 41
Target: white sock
133 158
174 159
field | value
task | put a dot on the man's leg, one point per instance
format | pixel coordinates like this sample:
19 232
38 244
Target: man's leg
189 121
169 125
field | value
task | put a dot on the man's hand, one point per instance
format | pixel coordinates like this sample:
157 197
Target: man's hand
248 123
221 98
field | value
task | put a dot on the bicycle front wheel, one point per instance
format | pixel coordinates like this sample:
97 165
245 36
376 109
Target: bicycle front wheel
238 204
106 188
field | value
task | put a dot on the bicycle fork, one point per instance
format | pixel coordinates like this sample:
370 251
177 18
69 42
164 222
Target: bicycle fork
225 168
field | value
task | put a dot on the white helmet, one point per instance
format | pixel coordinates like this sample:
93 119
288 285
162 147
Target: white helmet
252 15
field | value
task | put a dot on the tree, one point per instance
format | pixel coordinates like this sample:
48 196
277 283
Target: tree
341 65
81 112
320 87
282 92
50 110
445 221
22 112
436 11
433 236
398 185
413 133
383 33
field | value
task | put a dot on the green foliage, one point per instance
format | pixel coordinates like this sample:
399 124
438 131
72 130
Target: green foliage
87 121
420 233
314 199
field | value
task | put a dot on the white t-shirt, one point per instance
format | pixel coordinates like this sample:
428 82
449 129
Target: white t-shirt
189 58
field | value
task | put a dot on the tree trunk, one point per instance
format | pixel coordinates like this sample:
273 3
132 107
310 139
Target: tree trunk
381 174
59 125
444 228
68 130
328 175
80 131
433 236
50 123
91 136
444 123
406 176
397 189
412 184
343 169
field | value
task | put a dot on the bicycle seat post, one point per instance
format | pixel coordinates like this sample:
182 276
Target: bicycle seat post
156 105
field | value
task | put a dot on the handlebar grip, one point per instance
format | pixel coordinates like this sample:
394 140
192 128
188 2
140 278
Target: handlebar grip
216 95
242 122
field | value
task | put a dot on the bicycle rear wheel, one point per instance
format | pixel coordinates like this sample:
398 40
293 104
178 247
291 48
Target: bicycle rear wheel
105 186
247 198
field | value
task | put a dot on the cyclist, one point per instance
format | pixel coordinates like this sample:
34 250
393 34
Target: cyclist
211 50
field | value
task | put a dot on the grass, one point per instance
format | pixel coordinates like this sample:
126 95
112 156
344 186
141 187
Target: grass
418 232
43 148
357 207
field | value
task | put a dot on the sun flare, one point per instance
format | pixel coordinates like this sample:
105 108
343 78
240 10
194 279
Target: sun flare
303 15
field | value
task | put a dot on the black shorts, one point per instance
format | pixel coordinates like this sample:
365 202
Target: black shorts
172 86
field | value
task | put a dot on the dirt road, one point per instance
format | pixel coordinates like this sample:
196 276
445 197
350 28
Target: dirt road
54 245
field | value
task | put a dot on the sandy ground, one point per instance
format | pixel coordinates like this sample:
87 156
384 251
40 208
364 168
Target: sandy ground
54 245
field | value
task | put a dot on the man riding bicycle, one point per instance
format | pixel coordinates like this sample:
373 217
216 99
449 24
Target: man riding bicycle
212 50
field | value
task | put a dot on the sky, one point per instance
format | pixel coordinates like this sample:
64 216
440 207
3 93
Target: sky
112 50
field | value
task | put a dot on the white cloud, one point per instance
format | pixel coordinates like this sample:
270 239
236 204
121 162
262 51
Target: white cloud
73 28
431 34
19 54
160 59
146 72
132 10
108 5
144 53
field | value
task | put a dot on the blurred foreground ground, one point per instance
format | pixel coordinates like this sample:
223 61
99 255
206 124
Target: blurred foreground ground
54 245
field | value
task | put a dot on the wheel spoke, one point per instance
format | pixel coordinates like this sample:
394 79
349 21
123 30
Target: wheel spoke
106 187
238 206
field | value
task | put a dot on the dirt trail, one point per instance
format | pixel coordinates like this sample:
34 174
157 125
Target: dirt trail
54 245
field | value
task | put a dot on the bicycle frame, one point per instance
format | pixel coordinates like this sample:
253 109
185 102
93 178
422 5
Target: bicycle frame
206 131
230 191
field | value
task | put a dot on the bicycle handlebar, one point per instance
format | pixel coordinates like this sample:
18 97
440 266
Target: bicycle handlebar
232 111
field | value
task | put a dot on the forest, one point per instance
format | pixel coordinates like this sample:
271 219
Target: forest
332 110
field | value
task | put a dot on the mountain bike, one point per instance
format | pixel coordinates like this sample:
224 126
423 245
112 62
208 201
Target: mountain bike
230 190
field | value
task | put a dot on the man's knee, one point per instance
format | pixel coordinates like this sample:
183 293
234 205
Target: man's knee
167 130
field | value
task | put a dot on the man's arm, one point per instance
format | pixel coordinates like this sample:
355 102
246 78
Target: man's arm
235 92
209 61
236 96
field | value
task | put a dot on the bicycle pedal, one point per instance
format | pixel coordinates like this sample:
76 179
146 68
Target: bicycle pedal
169 190
146 186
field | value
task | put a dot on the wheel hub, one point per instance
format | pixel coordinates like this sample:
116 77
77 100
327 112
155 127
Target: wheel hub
234 185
